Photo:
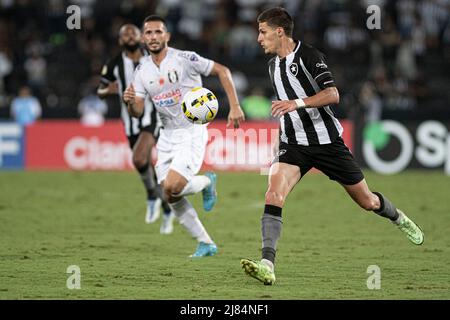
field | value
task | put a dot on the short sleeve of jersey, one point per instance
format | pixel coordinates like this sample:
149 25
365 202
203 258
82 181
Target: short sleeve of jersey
316 65
138 83
197 63
108 73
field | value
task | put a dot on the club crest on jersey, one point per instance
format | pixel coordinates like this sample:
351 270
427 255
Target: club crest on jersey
293 68
173 76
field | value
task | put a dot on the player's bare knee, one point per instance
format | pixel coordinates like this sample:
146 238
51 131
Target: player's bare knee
275 198
170 192
172 189
139 161
368 204
167 190
172 199
177 188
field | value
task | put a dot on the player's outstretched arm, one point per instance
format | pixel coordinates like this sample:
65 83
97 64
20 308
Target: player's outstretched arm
236 115
135 104
324 97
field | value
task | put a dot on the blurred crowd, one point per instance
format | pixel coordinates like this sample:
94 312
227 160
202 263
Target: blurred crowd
398 71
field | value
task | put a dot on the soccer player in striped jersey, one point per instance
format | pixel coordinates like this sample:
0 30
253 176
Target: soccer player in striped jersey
142 132
310 136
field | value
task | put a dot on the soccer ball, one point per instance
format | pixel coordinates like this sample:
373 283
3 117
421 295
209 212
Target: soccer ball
200 105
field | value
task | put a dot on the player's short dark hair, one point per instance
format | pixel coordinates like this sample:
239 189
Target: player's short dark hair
278 17
154 17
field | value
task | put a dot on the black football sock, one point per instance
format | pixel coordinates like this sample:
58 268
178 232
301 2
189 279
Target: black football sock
271 224
148 179
165 204
160 194
387 208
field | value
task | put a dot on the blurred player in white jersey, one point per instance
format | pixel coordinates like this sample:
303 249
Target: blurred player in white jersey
165 77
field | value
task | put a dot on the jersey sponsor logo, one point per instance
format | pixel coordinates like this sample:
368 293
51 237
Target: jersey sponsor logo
321 64
167 99
191 56
293 68
173 76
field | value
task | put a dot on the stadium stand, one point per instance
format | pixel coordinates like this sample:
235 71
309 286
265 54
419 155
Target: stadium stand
406 62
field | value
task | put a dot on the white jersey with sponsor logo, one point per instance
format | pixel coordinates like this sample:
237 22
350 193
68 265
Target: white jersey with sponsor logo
166 84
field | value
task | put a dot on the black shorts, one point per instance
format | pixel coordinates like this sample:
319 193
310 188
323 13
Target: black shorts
152 129
334 159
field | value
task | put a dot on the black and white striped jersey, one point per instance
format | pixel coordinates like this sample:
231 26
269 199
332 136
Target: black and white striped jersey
302 74
121 69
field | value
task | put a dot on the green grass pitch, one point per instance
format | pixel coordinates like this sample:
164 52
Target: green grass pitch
95 220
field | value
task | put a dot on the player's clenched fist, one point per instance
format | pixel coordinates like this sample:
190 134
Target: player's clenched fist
129 95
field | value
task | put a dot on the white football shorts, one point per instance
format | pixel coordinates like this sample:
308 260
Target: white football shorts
181 150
